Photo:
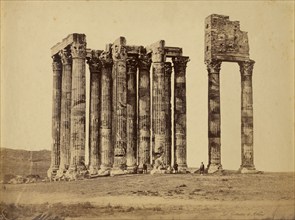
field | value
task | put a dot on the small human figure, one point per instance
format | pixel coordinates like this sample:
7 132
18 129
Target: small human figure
144 168
175 167
202 168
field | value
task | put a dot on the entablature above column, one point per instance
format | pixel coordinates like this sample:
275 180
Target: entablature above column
68 41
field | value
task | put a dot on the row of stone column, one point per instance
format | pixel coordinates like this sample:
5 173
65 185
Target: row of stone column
119 110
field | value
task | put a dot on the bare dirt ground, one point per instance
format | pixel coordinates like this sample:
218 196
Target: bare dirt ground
165 196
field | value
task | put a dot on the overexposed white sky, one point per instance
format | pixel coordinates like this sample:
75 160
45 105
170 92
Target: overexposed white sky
30 28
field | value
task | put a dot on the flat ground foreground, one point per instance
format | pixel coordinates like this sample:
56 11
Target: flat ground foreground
166 196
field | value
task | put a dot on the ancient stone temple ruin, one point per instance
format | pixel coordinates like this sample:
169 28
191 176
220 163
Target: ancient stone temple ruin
130 109
225 42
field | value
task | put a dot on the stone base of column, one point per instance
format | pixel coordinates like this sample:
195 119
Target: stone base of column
93 170
117 172
213 168
131 169
182 168
60 173
248 170
52 171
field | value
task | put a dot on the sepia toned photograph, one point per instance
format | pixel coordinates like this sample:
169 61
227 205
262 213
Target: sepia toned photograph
147 110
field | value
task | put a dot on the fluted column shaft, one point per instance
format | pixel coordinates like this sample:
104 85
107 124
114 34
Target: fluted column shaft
180 143
78 105
131 114
56 113
247 153
119 104
167 95
158 106
106 113
213 68
144 112
65 130
94 111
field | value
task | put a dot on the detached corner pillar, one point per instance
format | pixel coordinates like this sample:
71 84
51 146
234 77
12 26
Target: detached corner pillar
158 105
65 129
94 111
246 68
168 141
213 68
131 114
180 143
119 55
56 113
106 111
144 112
78 106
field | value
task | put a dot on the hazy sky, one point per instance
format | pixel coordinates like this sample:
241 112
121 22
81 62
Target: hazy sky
30 29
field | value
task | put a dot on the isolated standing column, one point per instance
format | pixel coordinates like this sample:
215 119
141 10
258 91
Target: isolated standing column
65 129
131 114
94 111
246 69
106 146
119 104
180 144
78 106
213 68
144 112
56 112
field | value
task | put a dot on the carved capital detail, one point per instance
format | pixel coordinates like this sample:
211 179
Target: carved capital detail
213 66
246 67
144 62
180 62
119 52
56 64
66 56
78 50
131 63
94 62
106 59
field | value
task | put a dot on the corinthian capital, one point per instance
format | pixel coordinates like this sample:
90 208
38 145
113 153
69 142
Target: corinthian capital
78 50
213 66
66 56
56 64
131 63
144 62
94 62
106 59
180 62
246 67
119 51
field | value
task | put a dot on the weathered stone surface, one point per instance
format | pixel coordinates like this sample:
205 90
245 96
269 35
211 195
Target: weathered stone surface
106 146
180 147
168 130
131 114
56 113
213 68
224 40
144 112
78 105
246 69
94 118
119 103
65 129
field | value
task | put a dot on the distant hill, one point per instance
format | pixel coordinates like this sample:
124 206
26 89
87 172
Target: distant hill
23 162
